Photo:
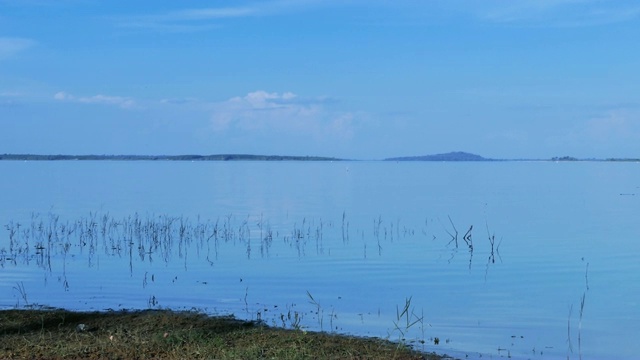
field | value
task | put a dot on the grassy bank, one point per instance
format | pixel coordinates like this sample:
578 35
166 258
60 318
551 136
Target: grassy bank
52 334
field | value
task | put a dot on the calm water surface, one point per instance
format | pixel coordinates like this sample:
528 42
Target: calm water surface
532 260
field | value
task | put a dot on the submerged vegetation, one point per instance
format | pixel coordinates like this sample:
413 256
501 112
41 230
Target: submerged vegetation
164 334
149 238
51 244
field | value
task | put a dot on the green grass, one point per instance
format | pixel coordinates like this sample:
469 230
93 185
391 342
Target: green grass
165 334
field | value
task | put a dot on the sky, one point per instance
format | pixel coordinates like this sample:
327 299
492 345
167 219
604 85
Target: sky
349 78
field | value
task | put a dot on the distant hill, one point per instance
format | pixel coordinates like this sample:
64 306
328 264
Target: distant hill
451 156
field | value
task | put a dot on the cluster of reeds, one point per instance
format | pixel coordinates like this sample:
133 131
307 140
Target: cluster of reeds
47 241
468 241
309 232
406 319
146 238
166 237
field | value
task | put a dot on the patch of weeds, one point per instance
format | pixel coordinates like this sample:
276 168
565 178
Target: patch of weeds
176 335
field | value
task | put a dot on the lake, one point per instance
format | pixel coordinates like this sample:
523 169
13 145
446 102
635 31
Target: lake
528 260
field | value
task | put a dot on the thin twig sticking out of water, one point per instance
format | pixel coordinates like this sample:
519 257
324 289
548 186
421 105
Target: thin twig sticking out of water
492 239
586 277
376 232
580 325
364 243
246 304
260 227
584 295
426 227
319 244
467 238
569 330
469 242
494 251
23 293
13 230
319 310
582 302
454 237
345 228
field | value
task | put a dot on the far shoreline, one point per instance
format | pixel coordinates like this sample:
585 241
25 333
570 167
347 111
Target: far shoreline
446 157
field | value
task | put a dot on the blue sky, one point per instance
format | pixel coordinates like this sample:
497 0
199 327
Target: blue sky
350 78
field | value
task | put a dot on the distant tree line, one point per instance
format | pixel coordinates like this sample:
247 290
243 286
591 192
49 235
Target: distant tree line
571 158
564 158
220 157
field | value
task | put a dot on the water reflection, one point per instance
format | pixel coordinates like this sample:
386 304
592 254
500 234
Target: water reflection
48 242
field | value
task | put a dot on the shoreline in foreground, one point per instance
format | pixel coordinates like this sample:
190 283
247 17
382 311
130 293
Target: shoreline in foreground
168 334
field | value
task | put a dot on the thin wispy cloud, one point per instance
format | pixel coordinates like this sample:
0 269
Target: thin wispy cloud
616 124
9 98
10 46
189 20
203 19
209 13
10 94
614 131
179 101
558 13
119 101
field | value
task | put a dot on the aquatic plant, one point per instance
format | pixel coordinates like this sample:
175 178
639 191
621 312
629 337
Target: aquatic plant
580 317
407 319
19 287
319 311
454 236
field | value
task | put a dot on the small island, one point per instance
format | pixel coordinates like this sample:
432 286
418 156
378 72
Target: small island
450 156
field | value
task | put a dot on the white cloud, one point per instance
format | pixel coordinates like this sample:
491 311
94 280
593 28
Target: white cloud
123 102
11 46
62 96
282 113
